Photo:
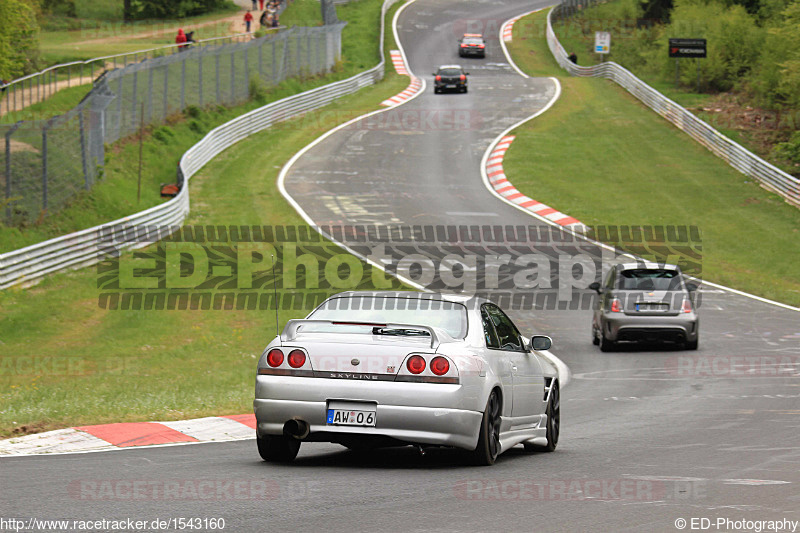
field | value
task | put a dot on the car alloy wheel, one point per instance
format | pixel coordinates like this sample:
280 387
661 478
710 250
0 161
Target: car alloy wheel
488 448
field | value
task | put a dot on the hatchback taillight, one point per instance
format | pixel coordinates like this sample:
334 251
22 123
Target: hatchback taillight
416 364
463 78
616 306
438 78
275 357
687 306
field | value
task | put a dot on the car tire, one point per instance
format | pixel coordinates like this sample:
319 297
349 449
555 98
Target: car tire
485 453
691 345
277 448
553 424
463 89
595 339
605 344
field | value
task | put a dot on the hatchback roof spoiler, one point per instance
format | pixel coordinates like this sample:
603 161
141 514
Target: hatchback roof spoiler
438 335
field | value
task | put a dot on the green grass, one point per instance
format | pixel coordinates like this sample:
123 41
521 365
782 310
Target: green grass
98 38
115 195
601 156
66 361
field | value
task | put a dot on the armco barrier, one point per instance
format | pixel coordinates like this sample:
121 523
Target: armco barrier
87 247
741 159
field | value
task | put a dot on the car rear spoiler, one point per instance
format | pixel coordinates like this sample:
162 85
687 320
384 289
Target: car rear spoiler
438 335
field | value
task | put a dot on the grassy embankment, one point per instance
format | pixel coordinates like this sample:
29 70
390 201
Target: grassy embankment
603 157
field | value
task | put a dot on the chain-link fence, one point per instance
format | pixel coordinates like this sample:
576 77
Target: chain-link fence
45 163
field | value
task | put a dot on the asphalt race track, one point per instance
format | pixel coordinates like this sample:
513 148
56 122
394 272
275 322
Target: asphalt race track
649 435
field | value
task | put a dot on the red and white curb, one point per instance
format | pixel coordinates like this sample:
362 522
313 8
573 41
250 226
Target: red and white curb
84 439
503 187
508 28
413 88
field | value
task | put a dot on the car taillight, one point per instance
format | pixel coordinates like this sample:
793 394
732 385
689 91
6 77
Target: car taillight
480 46
275 357
463 46
297 358
438 78
416 364
616 306
687 306
439 366
463 78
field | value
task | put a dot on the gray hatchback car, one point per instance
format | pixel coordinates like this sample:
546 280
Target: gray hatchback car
646 302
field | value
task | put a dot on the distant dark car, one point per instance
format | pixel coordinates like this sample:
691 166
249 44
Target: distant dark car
645 302
472 45
450 78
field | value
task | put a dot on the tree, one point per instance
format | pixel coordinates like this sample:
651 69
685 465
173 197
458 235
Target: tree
19 47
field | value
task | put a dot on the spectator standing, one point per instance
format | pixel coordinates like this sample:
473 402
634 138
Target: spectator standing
261 5
275 22
573 57
248 19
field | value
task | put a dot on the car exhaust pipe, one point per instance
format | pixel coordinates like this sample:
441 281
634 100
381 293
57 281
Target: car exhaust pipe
297 428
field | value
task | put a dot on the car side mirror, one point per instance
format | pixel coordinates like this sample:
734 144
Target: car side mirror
691 287
541 342
596 287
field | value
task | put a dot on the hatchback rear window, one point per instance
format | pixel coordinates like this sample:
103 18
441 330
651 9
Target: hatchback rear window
450 72
650 279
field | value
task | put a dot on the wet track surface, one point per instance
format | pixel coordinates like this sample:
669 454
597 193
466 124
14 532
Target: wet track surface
649 434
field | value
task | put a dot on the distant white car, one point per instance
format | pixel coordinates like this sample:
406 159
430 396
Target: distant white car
371 369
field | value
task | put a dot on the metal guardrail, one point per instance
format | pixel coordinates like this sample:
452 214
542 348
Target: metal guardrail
90 246
734 154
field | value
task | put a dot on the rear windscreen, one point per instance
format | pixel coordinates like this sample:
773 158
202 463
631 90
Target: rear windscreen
650 279
450 72
449 316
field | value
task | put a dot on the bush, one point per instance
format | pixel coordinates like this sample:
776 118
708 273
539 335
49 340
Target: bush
734 41
789 150
160 9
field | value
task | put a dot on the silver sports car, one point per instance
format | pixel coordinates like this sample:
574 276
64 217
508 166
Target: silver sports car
370 369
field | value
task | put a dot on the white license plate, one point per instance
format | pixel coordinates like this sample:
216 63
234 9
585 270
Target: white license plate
450 86
347 417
